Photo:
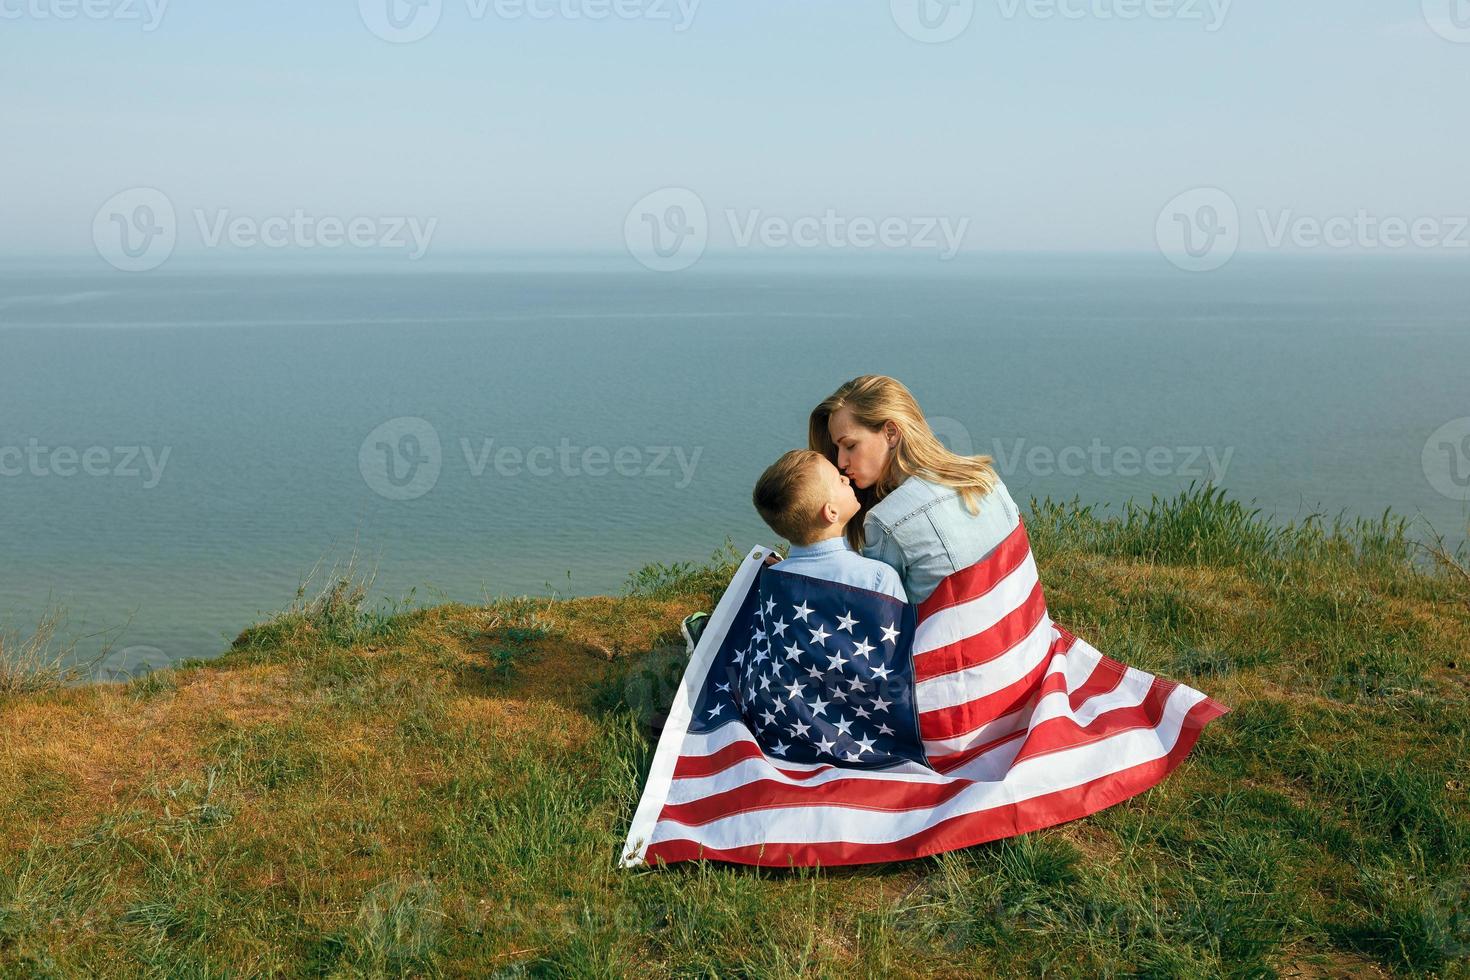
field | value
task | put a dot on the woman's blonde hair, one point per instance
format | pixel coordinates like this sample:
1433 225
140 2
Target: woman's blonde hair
874 400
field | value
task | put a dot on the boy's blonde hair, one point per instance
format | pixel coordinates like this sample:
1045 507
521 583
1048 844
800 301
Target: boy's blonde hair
789 496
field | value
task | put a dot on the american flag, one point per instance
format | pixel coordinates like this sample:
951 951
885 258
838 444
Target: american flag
820 724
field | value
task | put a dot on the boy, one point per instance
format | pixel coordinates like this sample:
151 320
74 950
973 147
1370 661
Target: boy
804 498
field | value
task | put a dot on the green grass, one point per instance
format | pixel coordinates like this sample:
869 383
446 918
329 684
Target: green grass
352 792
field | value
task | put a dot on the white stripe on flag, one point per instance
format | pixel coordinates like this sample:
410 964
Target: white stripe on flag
1032 778
955 623
964 686
690 788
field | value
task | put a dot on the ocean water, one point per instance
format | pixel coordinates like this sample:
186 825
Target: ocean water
179 448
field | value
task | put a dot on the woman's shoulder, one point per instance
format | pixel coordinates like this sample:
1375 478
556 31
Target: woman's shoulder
917 494
909 497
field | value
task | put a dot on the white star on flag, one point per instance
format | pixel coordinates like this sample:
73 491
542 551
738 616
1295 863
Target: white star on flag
846 622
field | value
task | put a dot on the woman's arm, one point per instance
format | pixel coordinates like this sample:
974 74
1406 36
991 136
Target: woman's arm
880 545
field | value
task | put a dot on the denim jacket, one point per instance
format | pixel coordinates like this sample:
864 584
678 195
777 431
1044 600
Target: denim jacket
925 532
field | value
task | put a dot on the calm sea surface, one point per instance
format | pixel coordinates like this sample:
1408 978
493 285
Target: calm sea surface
179 448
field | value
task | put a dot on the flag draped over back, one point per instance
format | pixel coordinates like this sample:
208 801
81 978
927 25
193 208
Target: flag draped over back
821 724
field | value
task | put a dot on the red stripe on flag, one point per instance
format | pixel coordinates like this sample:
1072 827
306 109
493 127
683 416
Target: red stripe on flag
898 795
1056 734
1103 679
979 578
895 796
696 766
970 651
957 720
949 763
964 830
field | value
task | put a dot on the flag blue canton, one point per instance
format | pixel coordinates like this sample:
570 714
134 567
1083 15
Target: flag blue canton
818 672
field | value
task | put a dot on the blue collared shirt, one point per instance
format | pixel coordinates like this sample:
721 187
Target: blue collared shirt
835 561
924 530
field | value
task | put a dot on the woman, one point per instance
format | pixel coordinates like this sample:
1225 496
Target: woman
925 510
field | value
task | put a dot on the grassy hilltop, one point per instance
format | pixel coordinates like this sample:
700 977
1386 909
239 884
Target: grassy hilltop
359 791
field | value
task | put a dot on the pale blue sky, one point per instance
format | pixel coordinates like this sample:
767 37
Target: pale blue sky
1047 134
